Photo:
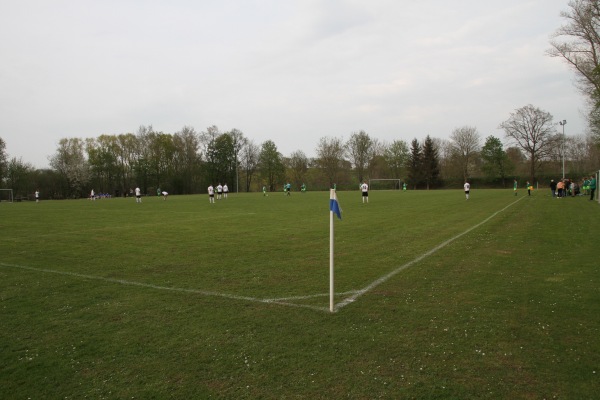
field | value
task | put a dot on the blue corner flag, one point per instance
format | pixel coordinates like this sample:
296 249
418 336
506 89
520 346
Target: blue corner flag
334 205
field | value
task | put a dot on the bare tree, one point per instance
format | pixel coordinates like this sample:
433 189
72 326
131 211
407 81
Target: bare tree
70 162
3 159
208 140
187 157
578 42
330 157
396 155
579 152
466 145
360 152
239 141
532 130
249 157
298 165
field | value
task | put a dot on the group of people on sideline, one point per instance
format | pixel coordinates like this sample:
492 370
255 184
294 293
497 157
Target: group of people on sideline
569 188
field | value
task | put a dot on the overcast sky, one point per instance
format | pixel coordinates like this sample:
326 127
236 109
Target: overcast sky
291 71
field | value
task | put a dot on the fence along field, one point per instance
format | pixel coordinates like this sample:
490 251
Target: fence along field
231 259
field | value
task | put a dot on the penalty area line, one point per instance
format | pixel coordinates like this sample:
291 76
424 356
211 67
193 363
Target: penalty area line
278 301
389 275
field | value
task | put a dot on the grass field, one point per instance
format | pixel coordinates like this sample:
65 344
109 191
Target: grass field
437 297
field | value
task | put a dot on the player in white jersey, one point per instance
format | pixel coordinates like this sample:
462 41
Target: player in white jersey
165 195
225 191
467 189
138 195
364 188
211 194
219 191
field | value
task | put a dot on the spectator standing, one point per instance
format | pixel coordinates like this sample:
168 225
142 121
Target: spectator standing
560 186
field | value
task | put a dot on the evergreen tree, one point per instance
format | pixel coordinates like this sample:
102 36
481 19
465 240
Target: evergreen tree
414 163
496 164
430 163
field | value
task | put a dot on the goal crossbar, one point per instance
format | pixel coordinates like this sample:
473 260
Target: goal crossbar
399 186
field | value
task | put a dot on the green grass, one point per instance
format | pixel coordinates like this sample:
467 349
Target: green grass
169 299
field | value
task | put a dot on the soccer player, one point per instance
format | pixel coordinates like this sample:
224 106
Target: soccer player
92 195
467 189
303 188
138 195
364 188
586 186
592 187
225 190
211 194
219 191
515 187
165 195
37 196
264 191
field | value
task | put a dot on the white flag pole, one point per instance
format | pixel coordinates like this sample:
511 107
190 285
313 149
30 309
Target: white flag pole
331 291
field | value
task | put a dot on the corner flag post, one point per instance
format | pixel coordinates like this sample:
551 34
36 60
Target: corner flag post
334 207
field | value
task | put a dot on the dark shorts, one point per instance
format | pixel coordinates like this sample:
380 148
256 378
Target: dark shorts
138 196
365 194
466 192
211 195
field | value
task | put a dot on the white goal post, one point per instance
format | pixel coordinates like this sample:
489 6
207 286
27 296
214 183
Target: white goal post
390 184
6 195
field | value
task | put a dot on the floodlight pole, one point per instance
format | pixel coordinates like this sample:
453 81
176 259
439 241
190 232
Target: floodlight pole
563 123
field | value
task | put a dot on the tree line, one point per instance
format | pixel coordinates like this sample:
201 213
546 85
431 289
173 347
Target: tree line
187 161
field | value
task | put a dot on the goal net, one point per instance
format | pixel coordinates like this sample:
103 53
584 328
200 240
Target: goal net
6 195
385 184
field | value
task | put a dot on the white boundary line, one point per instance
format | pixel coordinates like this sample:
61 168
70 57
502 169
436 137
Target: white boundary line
386 277
172 289
284 301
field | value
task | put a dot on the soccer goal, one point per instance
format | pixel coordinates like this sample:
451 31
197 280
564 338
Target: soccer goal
385 184
6 195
